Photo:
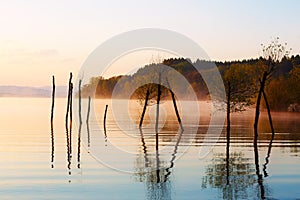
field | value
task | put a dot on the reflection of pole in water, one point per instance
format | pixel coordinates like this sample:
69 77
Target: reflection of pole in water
79 141
157 167
105 137
68 150
51 123
259 175
52 146
144 147
80 124
173 156
272 137
87 121
227 159
268 156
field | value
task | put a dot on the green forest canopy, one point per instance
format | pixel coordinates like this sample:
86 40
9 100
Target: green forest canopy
282 89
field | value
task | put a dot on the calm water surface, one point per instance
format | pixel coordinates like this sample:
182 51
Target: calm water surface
96 166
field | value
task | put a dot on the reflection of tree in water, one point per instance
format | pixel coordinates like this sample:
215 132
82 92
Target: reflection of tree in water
156 178
154 168
158 186
238 182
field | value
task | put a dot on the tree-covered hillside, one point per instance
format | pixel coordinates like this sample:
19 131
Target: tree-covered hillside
282 89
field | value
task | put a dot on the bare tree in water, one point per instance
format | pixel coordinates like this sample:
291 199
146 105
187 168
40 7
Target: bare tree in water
272 54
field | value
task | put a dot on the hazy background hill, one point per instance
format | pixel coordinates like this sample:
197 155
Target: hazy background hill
23 91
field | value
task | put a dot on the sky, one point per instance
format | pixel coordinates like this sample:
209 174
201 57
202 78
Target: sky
39 39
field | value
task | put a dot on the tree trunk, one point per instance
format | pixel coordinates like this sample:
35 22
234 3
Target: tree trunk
175 105
145 107
257 110
269 112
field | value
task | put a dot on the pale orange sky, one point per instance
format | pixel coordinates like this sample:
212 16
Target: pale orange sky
39 39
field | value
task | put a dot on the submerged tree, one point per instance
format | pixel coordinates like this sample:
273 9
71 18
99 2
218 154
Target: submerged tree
272 54
240 89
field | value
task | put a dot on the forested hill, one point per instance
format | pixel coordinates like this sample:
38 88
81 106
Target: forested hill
282 89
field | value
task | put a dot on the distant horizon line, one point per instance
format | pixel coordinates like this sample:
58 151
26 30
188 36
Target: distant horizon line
41 86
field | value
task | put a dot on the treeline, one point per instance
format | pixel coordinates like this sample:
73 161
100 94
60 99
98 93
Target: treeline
282 89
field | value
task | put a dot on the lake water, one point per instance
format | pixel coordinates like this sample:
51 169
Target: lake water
123 162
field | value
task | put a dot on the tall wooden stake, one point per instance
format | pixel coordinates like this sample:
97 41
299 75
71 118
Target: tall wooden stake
69 95
79 101
104 120
53 98
145 107
52 113
68 132
71 117
175 105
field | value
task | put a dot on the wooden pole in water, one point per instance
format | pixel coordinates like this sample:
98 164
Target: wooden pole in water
68 132
104 120
52 113
68 102
71 118
175 105
53 98
79 101
145 107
